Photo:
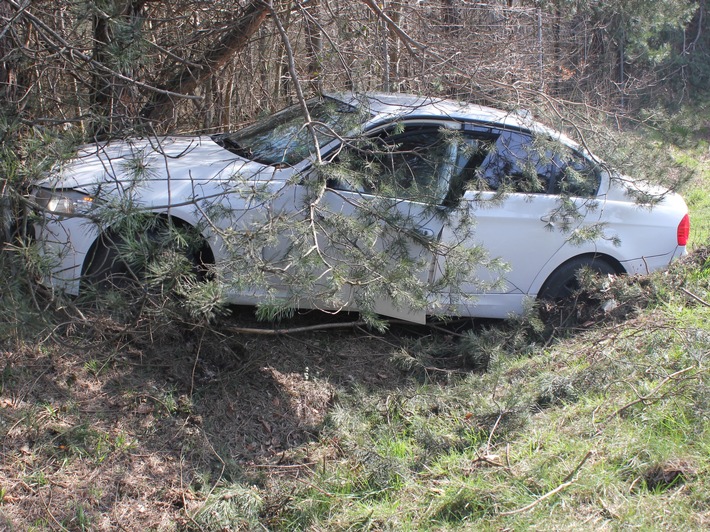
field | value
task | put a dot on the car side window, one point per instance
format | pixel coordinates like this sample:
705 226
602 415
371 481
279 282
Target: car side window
524 164
578 177
472 150
414 164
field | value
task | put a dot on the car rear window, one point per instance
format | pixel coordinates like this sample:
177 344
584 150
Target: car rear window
520 163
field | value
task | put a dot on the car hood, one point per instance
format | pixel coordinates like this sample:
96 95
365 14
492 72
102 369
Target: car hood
197 160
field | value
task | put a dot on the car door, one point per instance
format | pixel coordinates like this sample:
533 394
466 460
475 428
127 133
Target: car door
391 187
529 196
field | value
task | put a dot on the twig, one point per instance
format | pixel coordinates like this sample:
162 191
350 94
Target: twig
194 365
649 396
493 431
698 299
569 480
285 467
311 485
537 501
184 501
165 406
49 512
489 461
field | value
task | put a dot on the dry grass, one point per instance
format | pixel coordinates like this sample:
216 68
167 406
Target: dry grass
102 431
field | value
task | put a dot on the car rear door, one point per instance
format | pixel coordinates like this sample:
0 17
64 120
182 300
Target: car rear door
530 197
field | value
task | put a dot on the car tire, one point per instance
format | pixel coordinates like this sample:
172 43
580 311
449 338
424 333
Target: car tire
563 282
107 267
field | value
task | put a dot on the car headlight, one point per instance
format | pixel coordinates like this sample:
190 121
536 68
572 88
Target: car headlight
63 202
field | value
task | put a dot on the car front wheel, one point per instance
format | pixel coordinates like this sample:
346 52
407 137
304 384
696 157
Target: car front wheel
162 250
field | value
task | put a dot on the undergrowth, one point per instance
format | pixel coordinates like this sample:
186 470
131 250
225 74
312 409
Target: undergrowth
604 426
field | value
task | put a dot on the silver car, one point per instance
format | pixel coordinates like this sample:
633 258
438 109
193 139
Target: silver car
539 205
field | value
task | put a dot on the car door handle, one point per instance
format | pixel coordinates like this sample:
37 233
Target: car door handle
425 232
552 218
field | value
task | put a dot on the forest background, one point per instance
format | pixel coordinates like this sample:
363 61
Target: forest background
106 67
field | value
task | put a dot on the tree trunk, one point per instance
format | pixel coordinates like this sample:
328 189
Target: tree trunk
109 93
161 106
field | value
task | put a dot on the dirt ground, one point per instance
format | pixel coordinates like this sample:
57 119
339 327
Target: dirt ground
104 429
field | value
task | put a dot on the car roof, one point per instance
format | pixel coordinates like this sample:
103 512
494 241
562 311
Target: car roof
388 106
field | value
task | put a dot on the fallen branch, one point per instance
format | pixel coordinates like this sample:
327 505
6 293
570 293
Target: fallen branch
309 328
649 398
325 326
696 298
569 480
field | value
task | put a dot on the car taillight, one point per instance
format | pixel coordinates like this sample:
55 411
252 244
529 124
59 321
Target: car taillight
684 230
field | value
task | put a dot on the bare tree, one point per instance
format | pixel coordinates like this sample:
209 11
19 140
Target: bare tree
235 39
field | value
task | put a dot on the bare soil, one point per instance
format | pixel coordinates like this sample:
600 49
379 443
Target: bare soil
104 429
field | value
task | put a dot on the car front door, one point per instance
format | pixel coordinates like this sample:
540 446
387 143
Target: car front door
384 197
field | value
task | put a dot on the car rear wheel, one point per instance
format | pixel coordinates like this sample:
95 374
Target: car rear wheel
564 281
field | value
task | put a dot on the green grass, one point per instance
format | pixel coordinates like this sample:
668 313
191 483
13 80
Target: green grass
698 199
605 427
622 431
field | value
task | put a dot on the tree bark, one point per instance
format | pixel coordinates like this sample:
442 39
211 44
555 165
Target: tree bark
8 74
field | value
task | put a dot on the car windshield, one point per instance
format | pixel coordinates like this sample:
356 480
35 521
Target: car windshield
283 138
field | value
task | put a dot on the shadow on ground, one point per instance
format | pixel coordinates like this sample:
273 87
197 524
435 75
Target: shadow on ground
103 427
